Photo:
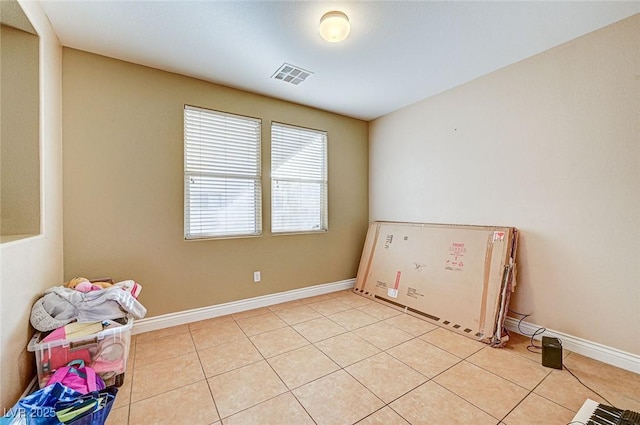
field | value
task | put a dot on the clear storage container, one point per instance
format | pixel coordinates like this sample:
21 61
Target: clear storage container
106 352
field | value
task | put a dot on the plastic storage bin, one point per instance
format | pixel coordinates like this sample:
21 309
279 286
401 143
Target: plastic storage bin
106 352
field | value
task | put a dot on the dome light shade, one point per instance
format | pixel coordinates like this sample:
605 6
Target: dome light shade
334 26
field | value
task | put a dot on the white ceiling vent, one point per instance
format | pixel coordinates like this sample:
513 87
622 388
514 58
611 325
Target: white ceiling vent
291 74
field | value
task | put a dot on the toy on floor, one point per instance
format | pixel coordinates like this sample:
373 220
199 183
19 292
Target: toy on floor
83 284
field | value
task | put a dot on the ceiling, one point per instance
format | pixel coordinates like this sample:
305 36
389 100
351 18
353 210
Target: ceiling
398 52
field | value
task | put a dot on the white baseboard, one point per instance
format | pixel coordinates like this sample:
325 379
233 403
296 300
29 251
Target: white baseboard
197 314
596 351
33 386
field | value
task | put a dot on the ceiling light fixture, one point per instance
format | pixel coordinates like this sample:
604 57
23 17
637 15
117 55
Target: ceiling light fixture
334 26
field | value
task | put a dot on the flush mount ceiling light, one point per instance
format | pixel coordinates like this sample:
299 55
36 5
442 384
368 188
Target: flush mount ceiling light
334 26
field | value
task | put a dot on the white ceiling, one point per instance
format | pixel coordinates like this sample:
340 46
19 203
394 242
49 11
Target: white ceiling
398 52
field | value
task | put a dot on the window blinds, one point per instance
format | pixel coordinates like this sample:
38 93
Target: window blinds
222 174
298 179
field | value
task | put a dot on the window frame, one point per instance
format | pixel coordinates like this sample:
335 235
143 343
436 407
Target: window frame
188 173
324 182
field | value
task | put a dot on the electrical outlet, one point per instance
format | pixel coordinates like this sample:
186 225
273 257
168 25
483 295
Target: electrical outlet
256 277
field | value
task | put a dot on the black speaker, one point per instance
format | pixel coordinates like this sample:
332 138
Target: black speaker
551 352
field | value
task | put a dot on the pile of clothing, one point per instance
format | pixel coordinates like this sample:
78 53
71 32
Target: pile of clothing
82 300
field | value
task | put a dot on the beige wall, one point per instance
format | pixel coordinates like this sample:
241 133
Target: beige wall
29 266
19 138
123 190
550 145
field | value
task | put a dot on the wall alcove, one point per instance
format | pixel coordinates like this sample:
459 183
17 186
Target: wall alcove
19 125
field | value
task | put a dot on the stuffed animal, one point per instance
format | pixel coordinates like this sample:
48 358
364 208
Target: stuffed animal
83 284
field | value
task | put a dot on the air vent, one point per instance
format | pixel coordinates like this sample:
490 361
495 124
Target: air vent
291 74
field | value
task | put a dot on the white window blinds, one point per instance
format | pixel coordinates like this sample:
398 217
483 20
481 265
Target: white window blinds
298 179
222 185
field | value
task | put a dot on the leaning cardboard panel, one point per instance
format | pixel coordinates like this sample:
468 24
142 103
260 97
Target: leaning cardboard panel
460 277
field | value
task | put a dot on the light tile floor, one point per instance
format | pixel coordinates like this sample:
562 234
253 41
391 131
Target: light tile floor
341 359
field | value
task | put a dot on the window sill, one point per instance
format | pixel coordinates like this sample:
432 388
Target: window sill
217 238
301 232
5 239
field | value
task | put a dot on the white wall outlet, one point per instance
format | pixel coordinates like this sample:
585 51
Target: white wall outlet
256 276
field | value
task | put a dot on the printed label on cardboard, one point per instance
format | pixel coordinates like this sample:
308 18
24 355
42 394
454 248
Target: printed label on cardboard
418 266
498 236
455 261
413 293
393 293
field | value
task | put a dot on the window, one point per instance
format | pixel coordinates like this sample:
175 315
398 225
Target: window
222 188
298 179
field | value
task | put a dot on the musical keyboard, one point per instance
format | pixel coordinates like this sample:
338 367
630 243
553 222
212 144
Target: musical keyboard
593 413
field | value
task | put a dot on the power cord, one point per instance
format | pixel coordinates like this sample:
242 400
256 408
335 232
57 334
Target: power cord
532 344
534 348
587 387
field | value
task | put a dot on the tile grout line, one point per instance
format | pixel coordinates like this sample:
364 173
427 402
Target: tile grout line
460 360
290 390
502 377
548 399
378 320
314 344
265 359
273 370
443 371
202 368
131 402
204 374
467 401
516 406
373 413
135 349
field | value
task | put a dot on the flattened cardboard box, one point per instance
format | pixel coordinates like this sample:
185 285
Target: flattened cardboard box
456 276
